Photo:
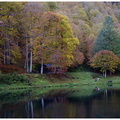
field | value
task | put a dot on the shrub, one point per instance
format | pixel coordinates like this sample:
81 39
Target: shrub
10 68
11 78
105 60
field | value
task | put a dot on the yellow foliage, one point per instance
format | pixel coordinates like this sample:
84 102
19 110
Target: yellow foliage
94 12
106 60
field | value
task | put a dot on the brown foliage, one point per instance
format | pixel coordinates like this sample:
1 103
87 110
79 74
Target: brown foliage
78 57
11 69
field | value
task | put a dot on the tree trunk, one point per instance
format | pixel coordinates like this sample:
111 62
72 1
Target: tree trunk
105 74
42 66
31 25
27 53
9 51
25 64
31 60
4 53
110 73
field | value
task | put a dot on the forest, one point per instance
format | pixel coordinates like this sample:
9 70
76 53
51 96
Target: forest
60 35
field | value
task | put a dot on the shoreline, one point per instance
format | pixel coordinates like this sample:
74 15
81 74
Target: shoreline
70 80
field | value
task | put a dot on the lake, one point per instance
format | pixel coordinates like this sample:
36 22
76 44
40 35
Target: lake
71 102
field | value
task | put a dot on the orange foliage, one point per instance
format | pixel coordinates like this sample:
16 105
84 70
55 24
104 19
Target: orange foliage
78 57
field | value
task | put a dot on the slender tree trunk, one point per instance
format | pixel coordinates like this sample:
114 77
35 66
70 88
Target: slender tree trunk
31 46
8 43
9 51
27 53
110 73
31 60
25 64
105 74
32 112
4 52
42 66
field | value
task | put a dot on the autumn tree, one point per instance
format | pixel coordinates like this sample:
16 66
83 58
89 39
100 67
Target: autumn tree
105 60
9 32
108 38
31 12
55 31
78 57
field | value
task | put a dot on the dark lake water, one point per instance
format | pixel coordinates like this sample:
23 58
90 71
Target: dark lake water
60 103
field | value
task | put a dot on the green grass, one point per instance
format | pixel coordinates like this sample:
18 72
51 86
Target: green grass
75 85
71 79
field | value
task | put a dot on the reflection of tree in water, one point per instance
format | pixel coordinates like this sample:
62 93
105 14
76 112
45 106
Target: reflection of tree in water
7 110
29 109
102 104
59 107
108 105
88 106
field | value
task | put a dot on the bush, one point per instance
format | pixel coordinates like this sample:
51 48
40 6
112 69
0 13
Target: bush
96 75
10 68
11 78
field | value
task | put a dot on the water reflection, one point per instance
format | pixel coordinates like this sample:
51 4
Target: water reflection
64 104
29 109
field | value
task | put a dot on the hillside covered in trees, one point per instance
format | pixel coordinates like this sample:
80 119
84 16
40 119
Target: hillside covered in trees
60 34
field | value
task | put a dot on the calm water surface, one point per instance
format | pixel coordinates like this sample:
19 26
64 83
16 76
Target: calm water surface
62 103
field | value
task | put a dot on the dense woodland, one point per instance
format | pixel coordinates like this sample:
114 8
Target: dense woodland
62 34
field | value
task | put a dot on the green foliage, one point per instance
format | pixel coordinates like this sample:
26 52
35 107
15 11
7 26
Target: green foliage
118 16
13 96
36 67
51 6
94 12
11 78
82 14
96 75
108 38
80 68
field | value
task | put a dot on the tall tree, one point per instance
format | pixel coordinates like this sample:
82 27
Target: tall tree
10 38
108 38
55 33
32 12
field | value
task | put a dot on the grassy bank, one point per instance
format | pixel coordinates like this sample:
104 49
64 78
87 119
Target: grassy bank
73 84
70 79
